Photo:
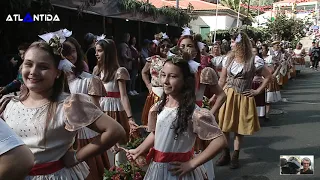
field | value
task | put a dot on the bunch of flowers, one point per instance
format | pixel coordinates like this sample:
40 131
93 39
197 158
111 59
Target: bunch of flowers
130 170
136 138
126 171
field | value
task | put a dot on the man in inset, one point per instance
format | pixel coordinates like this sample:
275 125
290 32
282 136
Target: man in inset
306 163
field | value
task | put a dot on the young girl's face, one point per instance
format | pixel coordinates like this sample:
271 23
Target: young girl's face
255 51
264 50
216 50
99 53
164 48
188 46
72 57
38 70
172 79
233 44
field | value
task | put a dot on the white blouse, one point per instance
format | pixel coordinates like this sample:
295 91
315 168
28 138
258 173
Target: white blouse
8 138
236 67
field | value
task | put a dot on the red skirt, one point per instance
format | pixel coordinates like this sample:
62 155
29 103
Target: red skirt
152 98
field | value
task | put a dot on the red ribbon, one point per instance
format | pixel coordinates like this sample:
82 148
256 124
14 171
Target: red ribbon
113 94
165 157
46 168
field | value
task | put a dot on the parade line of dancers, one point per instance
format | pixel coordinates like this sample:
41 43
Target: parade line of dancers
69 124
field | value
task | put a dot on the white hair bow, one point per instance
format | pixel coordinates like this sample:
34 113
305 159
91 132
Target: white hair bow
102 37
165 36
64 65
61 34
200 45
186 32
193 65
156 42
238 39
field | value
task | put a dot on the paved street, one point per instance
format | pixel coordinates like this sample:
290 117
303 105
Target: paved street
296 131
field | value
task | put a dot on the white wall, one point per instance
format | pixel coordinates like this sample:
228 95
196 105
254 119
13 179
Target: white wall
224 23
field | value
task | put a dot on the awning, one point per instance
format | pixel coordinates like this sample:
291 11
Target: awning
109 8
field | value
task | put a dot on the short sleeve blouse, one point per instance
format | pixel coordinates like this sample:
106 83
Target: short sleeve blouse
8 138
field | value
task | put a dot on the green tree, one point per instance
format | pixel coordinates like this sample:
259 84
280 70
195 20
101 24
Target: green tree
284 28
234 5
263 2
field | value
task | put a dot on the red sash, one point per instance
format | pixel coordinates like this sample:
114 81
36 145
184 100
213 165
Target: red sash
165 157
46 168
113 94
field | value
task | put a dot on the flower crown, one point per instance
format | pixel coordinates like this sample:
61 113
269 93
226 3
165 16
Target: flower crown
179 56
55 39
159 37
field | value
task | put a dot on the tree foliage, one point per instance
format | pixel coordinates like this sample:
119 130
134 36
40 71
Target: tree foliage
174 15
284 28
254 33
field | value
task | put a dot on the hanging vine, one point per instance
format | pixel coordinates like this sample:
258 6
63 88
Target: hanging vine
179 16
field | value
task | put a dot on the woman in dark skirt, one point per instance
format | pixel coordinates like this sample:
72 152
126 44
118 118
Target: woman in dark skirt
257 81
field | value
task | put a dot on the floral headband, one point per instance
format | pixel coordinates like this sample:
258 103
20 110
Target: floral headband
159 37
55 40
184 57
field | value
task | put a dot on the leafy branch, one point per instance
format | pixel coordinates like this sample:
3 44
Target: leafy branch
175 15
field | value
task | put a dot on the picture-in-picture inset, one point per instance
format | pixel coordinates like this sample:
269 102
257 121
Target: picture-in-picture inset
296 164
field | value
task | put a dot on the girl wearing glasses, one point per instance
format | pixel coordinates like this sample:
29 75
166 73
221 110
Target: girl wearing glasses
153 67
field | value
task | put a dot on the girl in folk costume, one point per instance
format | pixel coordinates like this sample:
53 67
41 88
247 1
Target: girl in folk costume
277 57
293 72
285 66
174 123
205 78
238 114
217 58
47 120
116 102
204 55
298 58
257 81
153 67
80 81
288 59
273 89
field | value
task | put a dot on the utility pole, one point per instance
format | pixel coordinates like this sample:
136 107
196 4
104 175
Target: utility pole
215 29
247 16
259 14
177 3
238 21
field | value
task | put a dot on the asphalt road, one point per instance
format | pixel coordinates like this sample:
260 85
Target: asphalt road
293 132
